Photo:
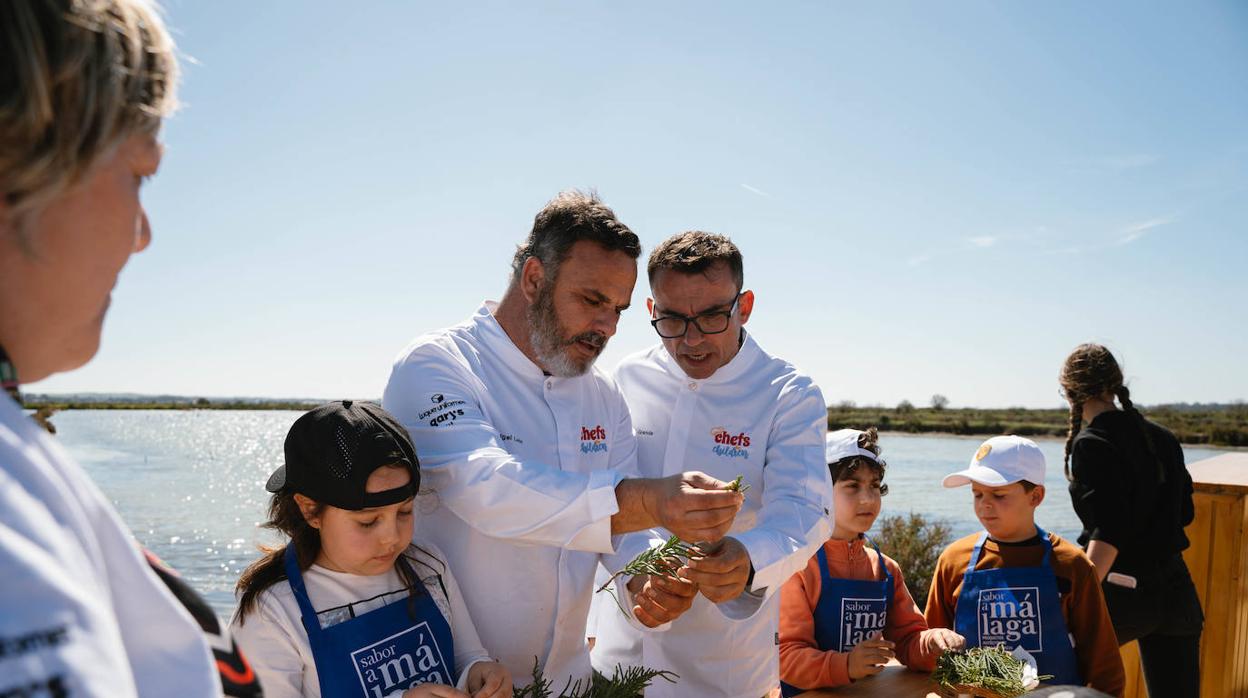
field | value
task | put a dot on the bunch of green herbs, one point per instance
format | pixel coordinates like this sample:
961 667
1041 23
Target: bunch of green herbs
991 668
625 682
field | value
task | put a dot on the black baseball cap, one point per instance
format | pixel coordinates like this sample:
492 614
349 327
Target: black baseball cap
333 448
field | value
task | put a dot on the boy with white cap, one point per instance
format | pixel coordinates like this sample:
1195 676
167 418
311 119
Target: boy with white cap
1016 585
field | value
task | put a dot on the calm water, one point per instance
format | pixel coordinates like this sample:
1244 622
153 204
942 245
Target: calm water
191 483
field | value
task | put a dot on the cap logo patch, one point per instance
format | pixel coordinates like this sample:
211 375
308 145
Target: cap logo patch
983 452
436 398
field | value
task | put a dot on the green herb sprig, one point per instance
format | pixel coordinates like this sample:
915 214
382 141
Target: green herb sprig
662 561
738 485
983 667
625 682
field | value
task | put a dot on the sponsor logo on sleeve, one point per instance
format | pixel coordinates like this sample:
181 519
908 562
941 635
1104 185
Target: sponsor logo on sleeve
444 412
401 661
1010 616
593 439
729 445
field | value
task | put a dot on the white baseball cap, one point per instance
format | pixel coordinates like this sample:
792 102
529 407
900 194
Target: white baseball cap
1000 461
843 443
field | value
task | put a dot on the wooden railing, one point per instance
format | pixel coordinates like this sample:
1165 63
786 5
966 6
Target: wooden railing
1219 567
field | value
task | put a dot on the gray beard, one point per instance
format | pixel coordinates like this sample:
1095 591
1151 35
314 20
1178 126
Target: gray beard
546 335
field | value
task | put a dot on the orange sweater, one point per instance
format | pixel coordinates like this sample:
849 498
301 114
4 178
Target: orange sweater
1083 606
802 663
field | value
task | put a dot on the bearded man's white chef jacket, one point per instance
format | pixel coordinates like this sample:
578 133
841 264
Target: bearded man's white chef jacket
523 467
756 416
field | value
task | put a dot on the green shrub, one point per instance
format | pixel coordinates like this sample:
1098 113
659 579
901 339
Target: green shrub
914 541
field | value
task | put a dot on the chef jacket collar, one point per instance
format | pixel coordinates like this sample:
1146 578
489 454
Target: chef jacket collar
727 373
496 338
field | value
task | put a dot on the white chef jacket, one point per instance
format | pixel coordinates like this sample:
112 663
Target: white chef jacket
756 416
276 644
524 468
80 607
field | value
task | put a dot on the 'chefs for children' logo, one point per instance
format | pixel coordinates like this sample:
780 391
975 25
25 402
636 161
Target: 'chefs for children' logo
403 660
593 440
730 445
860 618
1010 616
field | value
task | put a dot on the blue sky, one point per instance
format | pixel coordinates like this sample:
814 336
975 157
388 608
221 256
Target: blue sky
931 197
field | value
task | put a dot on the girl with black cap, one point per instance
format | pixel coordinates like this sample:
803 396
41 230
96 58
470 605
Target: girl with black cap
351 606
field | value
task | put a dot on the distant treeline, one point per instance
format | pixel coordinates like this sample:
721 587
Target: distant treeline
56 404
1215 425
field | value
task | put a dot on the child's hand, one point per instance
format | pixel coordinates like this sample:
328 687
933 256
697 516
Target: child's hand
934 641
489 680
868 657
434 690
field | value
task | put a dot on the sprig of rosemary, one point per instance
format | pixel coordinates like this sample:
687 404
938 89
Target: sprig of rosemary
985 667
738 485
625 682
662 561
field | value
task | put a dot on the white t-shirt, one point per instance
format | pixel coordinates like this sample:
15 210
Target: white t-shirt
80 609
273 638
524 467
759 417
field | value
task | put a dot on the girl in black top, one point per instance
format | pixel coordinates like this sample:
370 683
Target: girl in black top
1133 494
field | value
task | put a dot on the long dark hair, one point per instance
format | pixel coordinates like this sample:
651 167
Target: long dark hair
287 518
1090 372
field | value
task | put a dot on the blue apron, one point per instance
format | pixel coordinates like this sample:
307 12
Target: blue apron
848 611
384 650
1018 606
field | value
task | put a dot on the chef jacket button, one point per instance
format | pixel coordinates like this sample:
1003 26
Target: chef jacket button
548 385
693 386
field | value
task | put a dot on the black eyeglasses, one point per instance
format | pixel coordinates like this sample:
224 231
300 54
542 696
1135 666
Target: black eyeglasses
673 326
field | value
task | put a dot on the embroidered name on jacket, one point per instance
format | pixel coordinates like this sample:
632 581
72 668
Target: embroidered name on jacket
859 619
382 667
1010 616
593 440
729 445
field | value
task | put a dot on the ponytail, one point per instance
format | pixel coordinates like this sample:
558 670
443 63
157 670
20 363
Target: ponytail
1124 397
1076 423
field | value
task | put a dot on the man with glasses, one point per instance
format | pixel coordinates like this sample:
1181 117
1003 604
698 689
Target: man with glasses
709 398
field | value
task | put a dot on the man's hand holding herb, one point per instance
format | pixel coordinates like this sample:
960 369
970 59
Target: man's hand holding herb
868 657
722 573
658 600
691 505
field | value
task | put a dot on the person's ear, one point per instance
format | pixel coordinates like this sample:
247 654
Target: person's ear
308 508
532 276
1037 495
745 306
650 307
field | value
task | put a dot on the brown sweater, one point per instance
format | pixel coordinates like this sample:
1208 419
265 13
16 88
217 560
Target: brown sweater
1083 606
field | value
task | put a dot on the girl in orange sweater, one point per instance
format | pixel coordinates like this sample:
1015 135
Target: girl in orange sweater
848 612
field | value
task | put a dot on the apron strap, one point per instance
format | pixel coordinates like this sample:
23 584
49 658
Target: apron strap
824 572
885 575
295 576
983 536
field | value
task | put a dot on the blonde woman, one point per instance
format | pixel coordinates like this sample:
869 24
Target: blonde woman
84 85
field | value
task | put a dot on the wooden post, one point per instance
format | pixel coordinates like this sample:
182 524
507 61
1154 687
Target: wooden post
1219 567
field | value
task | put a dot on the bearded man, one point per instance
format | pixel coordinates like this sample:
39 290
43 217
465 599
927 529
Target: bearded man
530 449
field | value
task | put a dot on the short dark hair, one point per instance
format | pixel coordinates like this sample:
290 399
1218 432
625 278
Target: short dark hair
695 251
570 217
1027 486
845 467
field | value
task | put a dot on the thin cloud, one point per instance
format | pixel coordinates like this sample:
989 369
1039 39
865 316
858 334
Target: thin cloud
1135 231
918 260
757 191
983 241
1131 162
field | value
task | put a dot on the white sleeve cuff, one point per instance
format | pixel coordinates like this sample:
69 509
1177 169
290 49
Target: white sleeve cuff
602 505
